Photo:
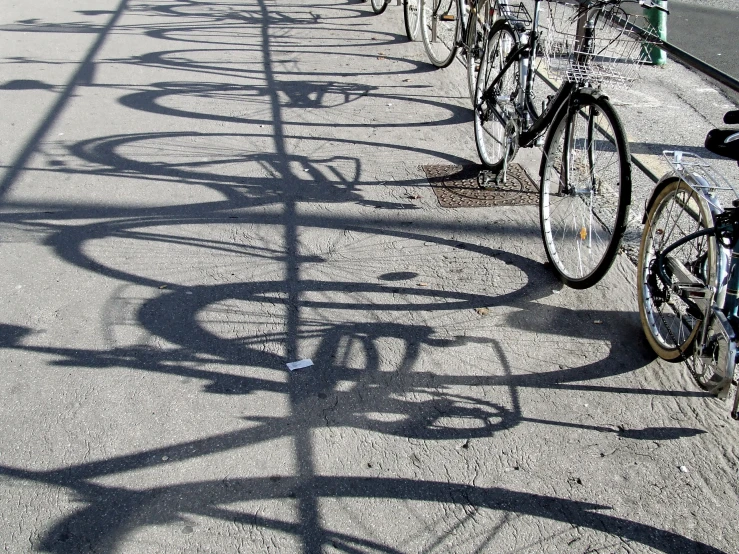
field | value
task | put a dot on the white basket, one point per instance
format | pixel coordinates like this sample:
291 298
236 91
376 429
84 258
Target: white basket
616 51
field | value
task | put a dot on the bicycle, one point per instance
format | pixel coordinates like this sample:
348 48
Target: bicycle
688 267
447 25
585 170
411 16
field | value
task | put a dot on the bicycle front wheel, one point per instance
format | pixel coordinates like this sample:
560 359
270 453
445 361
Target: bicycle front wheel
412 18
379 6
670 323
585 189
495 99
440 29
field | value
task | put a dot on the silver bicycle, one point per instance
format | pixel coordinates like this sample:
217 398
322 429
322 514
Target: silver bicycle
688 270
450 25
411 14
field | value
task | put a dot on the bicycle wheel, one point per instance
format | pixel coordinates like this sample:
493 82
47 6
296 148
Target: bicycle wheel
475 43
585 189
379 6
670 324
495 102
412 17
439 30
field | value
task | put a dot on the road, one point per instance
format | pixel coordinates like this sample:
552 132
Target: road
708 31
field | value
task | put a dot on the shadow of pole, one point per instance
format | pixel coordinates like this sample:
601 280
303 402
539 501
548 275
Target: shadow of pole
83 76
308 511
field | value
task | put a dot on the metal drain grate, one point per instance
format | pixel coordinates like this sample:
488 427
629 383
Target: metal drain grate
456 186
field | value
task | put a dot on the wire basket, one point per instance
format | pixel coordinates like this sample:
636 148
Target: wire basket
612 57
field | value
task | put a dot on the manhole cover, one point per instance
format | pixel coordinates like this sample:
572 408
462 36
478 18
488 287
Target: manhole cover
456 186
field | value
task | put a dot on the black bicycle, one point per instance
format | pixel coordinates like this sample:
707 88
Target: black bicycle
585 171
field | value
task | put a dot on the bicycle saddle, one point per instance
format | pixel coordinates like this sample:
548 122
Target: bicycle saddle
725 142
732 117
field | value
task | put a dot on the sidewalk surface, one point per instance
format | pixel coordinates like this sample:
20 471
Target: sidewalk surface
194 193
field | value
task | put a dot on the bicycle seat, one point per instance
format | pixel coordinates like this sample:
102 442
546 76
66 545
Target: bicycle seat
724 142
732 117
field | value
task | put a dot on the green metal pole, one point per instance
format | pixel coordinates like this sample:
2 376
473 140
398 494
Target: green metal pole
658 20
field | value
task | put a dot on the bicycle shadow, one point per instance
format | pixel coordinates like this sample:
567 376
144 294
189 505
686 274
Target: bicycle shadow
373 343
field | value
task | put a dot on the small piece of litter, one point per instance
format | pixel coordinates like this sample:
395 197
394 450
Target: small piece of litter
684 469
482 311
598 322
300 364
413 196
306 169
556 291
389 104
165 458
423 284
163 286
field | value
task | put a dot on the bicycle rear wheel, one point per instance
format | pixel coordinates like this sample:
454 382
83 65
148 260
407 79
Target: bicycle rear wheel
440 29
670 324
585 189
379 6
495 102
475 41
412 18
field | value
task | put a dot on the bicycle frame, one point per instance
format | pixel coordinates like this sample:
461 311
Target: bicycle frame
525 55
721 318
535 125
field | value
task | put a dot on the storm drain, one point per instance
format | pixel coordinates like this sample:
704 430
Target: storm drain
457 186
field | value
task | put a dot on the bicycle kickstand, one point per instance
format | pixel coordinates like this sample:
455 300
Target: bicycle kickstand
502 176
486 179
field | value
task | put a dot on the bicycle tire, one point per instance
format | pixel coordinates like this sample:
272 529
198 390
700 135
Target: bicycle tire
379 6
475 44
490 133
676 212
444 17
412 18
583 216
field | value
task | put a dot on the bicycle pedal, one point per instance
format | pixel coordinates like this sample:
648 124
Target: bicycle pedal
448 17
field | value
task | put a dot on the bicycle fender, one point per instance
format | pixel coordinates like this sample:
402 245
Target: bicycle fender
589 92
594 92
658 188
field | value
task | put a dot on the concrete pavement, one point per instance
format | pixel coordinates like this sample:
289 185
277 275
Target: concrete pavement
196 193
